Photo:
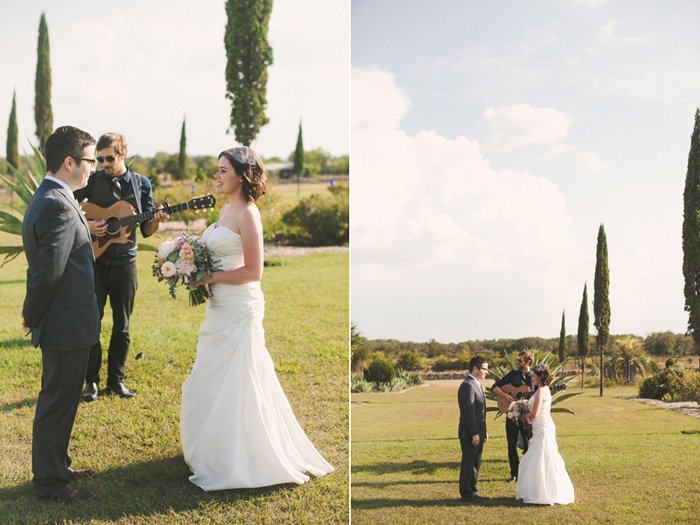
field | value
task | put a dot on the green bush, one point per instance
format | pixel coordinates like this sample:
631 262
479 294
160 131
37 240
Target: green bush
322 221
672 384
380 371
443 364
670 362
409 361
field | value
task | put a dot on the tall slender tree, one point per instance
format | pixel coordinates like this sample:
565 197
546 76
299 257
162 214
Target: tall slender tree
691 235
601 301
582 339
299 157
248 55
43 114
562 338
182 158
12 155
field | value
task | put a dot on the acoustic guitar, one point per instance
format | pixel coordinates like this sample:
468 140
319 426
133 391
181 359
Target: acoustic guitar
521 392
122 219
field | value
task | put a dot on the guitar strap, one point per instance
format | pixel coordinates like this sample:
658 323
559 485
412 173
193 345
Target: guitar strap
136 186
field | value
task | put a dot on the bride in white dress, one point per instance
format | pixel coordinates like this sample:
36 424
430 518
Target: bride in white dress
542 477
236 426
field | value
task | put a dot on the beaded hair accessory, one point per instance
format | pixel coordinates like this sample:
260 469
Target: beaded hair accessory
538 369
241 154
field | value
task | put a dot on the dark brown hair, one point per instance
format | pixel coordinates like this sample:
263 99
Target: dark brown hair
66 141
542 371
248 166
476 362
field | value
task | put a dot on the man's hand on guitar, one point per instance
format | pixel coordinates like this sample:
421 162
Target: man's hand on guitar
97 228
160 215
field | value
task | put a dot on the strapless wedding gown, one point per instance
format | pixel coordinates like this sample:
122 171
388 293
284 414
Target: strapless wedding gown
542 477
236 426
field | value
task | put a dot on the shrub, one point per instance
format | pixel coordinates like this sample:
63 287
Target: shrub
409 361
672 384
443 363
380 371
670 362
323 221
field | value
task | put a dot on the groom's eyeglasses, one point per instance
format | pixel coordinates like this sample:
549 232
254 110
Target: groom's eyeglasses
108 158
91 161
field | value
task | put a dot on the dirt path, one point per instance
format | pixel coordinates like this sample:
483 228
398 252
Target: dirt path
689 408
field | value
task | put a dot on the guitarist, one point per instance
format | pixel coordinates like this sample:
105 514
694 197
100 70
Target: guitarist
517 378
116 269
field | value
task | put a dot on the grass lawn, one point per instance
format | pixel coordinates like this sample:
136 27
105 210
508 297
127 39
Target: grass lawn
629 462
135 444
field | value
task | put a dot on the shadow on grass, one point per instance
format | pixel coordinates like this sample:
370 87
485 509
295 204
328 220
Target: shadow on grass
416 467
17 342
456 502
13 281
9 407
138 490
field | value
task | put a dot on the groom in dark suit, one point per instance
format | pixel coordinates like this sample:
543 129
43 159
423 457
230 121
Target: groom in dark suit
60 308
472 427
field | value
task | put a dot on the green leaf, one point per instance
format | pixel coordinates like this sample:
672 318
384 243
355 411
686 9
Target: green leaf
11 252
561 409
10 224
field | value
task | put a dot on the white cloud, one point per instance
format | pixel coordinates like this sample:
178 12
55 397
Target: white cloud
437 233
377 103
521 124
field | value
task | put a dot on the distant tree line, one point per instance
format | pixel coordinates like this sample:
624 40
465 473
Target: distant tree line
657 344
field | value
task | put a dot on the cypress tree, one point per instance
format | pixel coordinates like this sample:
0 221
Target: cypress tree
582 339
691 235
12 136
562 338
601 301
299 154
299 157
182 159
43 114
248 55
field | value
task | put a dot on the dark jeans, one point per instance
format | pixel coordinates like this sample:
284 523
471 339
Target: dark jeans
62 376
469 468
119 283
512 430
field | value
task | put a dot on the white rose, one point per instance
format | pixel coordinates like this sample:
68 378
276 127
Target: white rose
165 249
168 269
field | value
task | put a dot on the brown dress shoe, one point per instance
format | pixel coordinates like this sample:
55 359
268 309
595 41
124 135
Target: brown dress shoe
70 496
81 474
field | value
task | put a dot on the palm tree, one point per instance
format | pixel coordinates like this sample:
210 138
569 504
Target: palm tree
497 372
360 353
11 220
627 362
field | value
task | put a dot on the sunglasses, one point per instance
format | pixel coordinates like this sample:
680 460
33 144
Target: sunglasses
108 158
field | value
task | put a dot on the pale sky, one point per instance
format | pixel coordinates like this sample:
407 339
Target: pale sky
138 67
489 142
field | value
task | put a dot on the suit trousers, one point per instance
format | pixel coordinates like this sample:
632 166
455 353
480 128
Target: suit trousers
512 430
61 384
119 283
469 469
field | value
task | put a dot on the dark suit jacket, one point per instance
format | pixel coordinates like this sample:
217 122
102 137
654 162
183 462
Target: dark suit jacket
61 303
472 410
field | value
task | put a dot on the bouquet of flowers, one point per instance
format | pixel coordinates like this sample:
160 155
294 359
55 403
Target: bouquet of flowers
516 412
184 260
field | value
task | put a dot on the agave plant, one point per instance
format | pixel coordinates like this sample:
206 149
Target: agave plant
24 188
538 358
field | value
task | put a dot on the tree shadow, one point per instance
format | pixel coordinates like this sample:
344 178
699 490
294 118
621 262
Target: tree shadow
142 489
27 402
17 342
379 503
13 281
416 467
